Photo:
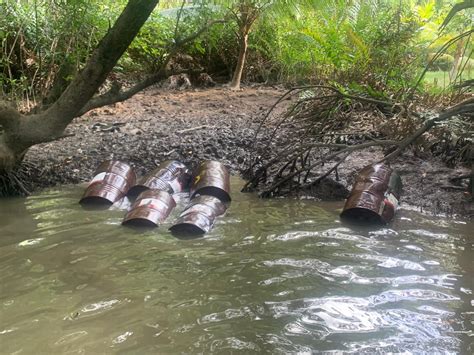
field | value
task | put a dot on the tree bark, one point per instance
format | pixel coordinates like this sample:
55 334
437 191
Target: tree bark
237 77
21 132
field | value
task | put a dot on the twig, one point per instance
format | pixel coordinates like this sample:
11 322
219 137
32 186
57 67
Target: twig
326 174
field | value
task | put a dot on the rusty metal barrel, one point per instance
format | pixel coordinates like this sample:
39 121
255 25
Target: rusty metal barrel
150 209
171 176
212 178
199 216
110 183
374 197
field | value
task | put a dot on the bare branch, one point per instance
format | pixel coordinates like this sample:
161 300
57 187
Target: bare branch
114 96
348 149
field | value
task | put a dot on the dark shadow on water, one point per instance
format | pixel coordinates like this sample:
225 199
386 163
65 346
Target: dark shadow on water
361 216
186 231
95 204
140 225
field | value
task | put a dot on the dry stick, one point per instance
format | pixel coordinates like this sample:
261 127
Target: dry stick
329 157
305 134
290 115
285 95
289 150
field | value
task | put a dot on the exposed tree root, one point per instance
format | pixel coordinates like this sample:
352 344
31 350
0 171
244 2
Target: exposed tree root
314 129
16 182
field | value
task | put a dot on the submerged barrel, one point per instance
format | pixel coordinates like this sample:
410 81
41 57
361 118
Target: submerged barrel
171 176
111 182
150 209
211 178
199 216
374 197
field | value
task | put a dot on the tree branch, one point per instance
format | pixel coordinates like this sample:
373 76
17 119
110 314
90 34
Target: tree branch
114 95
38 128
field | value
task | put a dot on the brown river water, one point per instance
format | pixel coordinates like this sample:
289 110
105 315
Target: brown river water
274 276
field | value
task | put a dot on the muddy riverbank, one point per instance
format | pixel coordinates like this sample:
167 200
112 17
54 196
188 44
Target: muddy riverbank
216 123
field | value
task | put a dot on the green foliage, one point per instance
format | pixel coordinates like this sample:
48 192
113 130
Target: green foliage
378 45
38 38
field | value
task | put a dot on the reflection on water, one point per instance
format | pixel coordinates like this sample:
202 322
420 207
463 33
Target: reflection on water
272 277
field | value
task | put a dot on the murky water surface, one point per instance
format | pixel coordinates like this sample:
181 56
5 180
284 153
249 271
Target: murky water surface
272 277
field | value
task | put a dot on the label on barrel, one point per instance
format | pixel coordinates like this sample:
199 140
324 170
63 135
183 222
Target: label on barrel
196 179
98 178
153 203
390 198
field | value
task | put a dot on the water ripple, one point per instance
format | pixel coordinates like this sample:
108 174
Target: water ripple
274 276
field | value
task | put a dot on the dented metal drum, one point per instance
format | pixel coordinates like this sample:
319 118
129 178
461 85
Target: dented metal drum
171 176
150 209
212 178
374 197
111 182
199 216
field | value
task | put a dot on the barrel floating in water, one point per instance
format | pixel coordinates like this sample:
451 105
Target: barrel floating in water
212 178
171 176
199 216
111 182
374 197
150 209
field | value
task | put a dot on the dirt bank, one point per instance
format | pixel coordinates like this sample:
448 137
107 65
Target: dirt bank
213 123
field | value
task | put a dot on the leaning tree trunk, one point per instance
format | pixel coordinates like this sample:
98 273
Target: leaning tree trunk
235 84
23 131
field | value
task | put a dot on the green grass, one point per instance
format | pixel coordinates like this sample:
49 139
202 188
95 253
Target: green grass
440 79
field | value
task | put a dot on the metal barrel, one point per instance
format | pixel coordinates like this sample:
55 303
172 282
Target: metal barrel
199 216
171 176
374 197
150 209
111 181
212 178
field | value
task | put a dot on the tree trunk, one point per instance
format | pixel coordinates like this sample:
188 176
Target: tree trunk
21 132
458 54
235 84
